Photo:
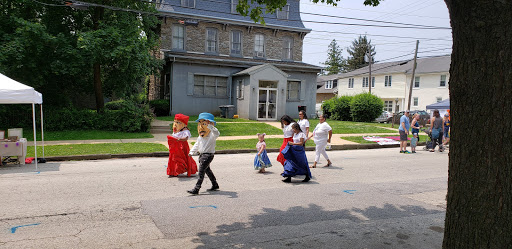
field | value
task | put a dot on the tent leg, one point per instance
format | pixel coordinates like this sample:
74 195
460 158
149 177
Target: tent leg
35 137
42 130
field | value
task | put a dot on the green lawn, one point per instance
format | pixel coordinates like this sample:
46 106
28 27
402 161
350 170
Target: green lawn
359 139
83 135
91 149
349 127
239 129
217 119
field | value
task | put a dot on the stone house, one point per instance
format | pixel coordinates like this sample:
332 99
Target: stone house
214 56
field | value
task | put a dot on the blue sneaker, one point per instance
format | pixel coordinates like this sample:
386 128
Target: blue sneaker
407 152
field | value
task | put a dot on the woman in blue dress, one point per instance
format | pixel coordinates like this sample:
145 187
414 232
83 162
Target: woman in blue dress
296 162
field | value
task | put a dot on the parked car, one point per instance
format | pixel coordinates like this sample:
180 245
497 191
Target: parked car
384 117
424 117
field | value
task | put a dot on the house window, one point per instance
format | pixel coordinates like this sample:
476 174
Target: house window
236 43
416 82
259 45
415 101
234 3
439 99
442 82
387 81
388 105
328 84
373 82
188 3
293 92
240 89
211 40
283 14
205 85
350 82
365 82
287 48
178 37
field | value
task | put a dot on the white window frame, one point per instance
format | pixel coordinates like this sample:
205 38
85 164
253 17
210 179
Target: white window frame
388 81
328 84
234 3
240 89
350 82
232 43
365 82
187 3
209 41
287 48
415 101
204 85
259 43
288 90
388 105
416 80
175 38
442 82
283 14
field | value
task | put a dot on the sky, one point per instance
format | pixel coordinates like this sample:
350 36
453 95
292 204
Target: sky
390 43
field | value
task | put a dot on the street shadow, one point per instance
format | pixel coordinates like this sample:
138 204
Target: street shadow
231 194
29 168
185 178
236 234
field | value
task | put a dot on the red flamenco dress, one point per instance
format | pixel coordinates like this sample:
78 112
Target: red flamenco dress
280 157
179 160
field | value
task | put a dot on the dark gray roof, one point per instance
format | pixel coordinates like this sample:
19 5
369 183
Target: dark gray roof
320 81
221 10
324 78
424 65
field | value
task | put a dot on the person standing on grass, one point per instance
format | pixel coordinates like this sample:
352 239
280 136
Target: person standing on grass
404 132
296 161
322 136
415 130
205 147
286 124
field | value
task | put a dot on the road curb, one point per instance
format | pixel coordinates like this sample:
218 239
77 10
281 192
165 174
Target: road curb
166 154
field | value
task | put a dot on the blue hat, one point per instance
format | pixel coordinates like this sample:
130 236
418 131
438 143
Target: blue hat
207 116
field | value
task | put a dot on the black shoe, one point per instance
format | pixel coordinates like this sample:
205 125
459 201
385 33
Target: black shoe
193 191
289 179
306 179
214 187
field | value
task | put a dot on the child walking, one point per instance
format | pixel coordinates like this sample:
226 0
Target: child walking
415 130
261 160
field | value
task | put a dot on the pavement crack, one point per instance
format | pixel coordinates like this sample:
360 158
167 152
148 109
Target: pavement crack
38 216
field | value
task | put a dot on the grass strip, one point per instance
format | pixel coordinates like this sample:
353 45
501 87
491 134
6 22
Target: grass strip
349 127
217 119
84 135
91 149
360 140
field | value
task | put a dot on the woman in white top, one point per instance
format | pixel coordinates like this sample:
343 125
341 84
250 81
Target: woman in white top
296 160
286 123
304 122
322 135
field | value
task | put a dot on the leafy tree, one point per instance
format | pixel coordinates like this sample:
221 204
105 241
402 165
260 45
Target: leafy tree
358 51
479 199
366 107
335 62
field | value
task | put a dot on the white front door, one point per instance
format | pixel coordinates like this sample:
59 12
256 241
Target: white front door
267 104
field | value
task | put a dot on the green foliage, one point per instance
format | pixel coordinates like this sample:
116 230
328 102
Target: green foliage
115 105
338 108
161 107
357 52
334 62
366 107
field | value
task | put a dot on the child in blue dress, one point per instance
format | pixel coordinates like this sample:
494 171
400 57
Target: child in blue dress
261 160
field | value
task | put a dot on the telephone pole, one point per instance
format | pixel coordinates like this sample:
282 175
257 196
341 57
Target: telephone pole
412 78
370 69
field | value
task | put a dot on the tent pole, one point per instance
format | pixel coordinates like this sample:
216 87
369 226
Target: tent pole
34 126
42 130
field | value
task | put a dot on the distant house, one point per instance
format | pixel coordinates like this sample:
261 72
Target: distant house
327 87
391 82
214 56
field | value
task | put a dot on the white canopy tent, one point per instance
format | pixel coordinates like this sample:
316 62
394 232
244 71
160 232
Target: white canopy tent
13 92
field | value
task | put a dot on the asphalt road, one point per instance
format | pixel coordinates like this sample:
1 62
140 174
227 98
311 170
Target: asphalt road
368 199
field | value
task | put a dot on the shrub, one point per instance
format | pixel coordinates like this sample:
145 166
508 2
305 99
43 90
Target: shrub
161 107
366 107
328 106
115 105
338 108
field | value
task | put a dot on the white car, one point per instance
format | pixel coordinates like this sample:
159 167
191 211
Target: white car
384 117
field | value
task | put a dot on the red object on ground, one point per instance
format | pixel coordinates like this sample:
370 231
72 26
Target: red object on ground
179 160
29 160
280 157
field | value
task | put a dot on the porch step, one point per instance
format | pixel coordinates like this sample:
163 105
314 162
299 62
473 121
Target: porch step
160 130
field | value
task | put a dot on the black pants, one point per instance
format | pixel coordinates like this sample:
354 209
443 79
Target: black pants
438 141
204 167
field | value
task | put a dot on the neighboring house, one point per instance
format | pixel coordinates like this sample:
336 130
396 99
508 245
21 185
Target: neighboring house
391 82
214 56
327 87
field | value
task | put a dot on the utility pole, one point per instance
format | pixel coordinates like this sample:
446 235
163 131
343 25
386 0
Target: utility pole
370 69
412 78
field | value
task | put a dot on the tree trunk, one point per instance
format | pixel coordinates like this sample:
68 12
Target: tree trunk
98 91
479 200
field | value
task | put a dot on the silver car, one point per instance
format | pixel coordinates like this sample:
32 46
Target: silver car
384 117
